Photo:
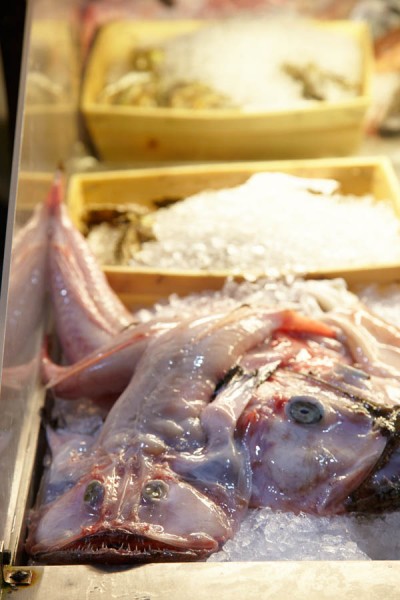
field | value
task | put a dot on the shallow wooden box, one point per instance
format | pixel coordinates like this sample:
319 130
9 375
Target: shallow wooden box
124 134
143 286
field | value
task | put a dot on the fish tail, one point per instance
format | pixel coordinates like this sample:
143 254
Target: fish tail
55 196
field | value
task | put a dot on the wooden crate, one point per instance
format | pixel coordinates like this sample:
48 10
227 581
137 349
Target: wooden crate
122 133
125 134
142 286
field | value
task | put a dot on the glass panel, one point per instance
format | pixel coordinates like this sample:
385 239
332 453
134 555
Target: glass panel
47 131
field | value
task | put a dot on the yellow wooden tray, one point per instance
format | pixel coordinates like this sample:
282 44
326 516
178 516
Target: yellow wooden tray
143 286
125 134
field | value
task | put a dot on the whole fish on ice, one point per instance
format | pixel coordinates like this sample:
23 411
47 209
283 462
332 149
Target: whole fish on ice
253 407
247 407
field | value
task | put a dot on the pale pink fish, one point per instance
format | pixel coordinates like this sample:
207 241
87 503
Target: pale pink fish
87 311
27 288
166 478
170 475
310 446
340 422
104 373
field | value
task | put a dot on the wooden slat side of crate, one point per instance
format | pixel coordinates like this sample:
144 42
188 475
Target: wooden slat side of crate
131 133
358 176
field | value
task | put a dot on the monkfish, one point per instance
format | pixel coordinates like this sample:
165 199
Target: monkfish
256 406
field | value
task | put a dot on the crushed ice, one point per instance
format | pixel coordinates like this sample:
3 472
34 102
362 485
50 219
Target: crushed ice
244 59
273 223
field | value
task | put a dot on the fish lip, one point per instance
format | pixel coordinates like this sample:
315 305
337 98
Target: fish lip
384 498
118 547
376 496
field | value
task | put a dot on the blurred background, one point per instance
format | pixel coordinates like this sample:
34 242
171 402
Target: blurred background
12 18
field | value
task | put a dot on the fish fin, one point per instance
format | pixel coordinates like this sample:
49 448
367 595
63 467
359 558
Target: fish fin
294 321
55 197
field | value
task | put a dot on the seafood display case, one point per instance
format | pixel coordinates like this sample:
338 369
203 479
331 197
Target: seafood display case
52 138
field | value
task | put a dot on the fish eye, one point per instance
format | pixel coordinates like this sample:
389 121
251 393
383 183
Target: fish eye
94 494
155 489
305 410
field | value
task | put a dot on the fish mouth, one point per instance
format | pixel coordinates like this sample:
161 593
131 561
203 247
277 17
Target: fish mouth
376 499
380 491
116 548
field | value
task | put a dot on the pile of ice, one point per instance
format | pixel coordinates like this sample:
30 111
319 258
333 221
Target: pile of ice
273 223
243 60
269 535
312 297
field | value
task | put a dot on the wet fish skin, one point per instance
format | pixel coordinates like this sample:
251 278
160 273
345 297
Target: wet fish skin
331 363
359 404
134 527
69 451
87 311
321 462
150 434
192 358
49 248
104 373
164 444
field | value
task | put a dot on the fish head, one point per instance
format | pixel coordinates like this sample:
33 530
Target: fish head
128 509
310 445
